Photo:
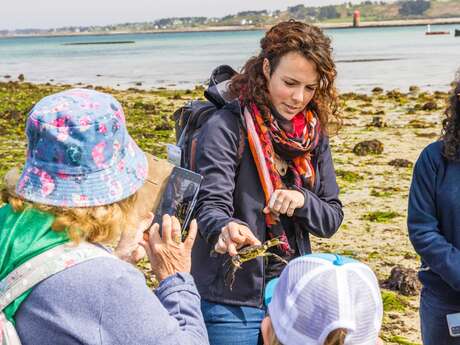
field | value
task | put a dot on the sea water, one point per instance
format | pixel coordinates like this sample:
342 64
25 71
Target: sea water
391 57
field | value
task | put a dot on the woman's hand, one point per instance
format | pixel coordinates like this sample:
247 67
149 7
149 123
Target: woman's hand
285 201
234 236
128 248
167 254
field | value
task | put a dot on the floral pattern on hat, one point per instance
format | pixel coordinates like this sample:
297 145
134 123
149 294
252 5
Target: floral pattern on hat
79 152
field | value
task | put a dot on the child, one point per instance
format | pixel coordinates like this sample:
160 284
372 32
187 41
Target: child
323 299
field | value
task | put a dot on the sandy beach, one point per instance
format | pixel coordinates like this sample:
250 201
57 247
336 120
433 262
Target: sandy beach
374 192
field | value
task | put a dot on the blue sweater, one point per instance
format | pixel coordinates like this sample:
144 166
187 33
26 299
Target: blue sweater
106 302
434 221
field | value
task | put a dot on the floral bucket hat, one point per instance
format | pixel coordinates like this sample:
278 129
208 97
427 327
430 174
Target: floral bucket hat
79 152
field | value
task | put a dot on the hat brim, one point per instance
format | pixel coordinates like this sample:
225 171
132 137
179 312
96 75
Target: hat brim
269 291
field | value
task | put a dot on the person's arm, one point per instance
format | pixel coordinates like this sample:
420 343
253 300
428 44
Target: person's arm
428 241
321 213
217 161
132 314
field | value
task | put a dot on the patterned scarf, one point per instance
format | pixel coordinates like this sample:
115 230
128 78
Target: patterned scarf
266 138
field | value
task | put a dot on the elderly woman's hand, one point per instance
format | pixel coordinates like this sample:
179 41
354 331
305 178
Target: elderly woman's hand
167 254
285 201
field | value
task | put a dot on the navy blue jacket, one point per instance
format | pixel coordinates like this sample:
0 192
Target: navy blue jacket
434 221
231 191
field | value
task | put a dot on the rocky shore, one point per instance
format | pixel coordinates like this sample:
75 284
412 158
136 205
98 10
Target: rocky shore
381 138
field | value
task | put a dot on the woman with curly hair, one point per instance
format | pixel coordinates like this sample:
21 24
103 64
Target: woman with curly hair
268 173
434 227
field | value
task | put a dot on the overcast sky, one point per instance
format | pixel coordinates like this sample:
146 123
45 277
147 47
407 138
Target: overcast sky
20 14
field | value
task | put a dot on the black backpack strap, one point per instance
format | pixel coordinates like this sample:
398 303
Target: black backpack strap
241 139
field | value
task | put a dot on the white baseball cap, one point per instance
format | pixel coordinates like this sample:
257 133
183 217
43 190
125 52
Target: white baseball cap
319 293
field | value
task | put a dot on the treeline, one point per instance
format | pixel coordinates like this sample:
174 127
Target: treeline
370 11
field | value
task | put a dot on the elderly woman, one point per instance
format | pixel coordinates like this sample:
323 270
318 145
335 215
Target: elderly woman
85 182
279 183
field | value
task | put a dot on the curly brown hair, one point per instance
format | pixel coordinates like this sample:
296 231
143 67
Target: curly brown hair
291 36
451 124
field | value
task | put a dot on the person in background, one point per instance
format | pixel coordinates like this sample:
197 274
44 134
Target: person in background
434 227
85 181
282 185
323 299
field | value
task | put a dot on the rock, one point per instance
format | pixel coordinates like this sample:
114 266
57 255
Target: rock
404 280
414 89
377 90
164 126
368 147
420 124
401 163
21 77
98 75
395 94
7 76
12 114
430 106
439 95
377 122
427 135
138 83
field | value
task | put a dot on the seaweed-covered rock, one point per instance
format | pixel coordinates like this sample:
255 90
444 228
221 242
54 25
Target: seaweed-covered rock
430 106
367 147
420 124
414 89
377 121
427 135
404 280
164 126
377 90
401 163
21 77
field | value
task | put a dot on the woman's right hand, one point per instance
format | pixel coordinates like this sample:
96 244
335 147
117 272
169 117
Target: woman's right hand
234 236
167 254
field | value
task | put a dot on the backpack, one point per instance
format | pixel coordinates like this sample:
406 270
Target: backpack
36 270
190 118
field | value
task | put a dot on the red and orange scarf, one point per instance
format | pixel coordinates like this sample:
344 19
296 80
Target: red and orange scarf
266 138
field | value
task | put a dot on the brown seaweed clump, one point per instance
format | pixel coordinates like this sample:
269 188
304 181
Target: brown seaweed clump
428 106
404 280
401 163
367 147
378 122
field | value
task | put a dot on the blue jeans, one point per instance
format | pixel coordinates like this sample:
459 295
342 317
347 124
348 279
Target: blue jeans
433 320
232 325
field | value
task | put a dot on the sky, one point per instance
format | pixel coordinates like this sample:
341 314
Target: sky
44 14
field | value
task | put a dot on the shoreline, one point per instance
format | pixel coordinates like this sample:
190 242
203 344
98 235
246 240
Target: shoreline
343 25
373 189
